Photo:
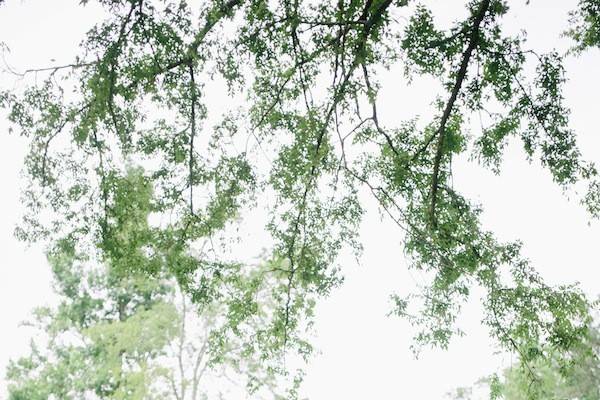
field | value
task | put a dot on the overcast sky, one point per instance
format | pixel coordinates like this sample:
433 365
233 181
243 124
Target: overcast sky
364 354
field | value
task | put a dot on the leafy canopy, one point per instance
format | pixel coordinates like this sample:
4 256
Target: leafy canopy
122 160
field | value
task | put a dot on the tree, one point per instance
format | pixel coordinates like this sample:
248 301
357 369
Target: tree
136 99
586 25
579 378
114 337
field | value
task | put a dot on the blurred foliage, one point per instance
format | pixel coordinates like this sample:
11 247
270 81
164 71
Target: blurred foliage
132 337
574 377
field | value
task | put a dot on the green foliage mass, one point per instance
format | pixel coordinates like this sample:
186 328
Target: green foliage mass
585 22
576 377
121 160
100 340
131 337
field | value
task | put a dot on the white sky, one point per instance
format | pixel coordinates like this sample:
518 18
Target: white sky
364 354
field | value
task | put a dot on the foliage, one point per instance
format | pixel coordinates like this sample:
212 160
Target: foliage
120 160
101 339
127 337
585 22
577 377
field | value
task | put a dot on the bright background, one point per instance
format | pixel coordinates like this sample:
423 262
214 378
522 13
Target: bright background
364 353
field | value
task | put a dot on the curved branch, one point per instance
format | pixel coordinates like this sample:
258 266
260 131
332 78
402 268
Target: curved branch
460 77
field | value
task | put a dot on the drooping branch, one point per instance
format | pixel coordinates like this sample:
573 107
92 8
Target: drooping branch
192 134
460 77
339 92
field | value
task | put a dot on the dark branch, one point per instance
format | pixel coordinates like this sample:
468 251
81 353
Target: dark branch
460 77
192 135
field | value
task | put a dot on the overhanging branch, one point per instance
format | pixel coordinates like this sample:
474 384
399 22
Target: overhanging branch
460 77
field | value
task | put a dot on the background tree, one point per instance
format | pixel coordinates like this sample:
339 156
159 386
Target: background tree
115 337
136 98
578 379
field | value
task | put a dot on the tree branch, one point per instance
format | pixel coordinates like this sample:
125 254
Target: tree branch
338 94
460 77
192 135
